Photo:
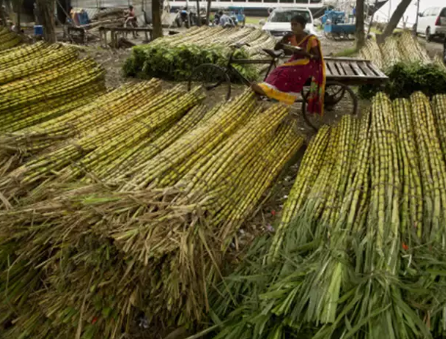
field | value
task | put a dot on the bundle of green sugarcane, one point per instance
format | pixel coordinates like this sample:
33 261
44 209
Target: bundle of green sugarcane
20 54
41 97
411 49
346 272
49 84
224 185
59 56
403 48
19 135
438 60
371 51
147 149
175 57
391 51
105 141
8 39
439 110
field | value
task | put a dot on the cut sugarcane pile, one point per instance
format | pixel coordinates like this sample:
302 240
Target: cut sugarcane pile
174 57
40 84
85 257
403 48
359 251
8 39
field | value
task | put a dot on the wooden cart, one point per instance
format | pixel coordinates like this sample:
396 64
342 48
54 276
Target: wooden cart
341 75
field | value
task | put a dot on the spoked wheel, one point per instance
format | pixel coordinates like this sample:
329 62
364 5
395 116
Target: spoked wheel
337 94
333 94
210 76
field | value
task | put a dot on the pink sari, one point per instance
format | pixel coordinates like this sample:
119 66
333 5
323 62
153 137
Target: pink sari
287 81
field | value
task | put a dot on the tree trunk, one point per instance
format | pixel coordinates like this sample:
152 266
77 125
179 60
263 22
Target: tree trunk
3 14
46 17
18 10
395 19
360 36
208 12
156 20
198 13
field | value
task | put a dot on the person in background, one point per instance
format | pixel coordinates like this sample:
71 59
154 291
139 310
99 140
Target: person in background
225 20
286 82
130 18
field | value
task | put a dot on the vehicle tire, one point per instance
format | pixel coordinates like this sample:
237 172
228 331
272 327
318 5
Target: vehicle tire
428 34
178 21
210 76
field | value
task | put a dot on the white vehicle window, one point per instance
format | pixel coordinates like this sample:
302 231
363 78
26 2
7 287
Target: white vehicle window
443 13
427 12
286 16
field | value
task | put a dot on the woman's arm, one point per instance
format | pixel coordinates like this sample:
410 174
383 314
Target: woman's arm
283 41
314 53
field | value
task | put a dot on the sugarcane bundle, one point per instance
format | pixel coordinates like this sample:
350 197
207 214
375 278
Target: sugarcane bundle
438 60
391 51
60 56
147 149
9 40
49 85
439 110
411 49
433 168
120 129
371 51
78 122
170 286
176 56
178 158
158 116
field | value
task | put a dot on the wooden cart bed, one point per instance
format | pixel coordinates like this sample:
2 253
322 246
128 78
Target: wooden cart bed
353 72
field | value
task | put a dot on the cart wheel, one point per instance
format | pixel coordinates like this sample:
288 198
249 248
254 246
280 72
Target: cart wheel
210 76
333 94
340 90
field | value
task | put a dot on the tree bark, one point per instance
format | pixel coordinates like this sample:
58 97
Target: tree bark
395 19
156 19
3 14
198 13
46 16
360 36
208 12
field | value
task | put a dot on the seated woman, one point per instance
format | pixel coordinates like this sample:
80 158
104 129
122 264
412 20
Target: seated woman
287 81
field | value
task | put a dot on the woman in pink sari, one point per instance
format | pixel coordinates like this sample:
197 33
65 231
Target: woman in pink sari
286 82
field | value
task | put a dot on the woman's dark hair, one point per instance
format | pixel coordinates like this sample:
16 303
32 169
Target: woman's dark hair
300 20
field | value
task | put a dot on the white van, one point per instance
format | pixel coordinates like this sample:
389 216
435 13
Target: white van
279 21
432 22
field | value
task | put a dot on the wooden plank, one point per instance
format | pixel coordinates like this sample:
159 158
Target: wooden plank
342 59
348 70
367 71
340 68
327 70
377 71
332 67
357 69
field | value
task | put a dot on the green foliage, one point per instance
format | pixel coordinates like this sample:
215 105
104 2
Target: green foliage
177 63
404 79
348 52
